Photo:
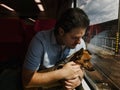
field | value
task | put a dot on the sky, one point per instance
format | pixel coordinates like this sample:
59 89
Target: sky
100 11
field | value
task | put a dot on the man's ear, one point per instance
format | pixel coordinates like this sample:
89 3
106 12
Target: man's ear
61 31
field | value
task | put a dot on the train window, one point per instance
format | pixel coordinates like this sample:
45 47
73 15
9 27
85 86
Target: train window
98 11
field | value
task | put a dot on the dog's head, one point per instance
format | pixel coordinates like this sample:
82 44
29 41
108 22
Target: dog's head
83 58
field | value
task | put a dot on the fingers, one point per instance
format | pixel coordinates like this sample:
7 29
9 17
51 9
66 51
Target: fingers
81 73
72 84
72 70
68 85
73 65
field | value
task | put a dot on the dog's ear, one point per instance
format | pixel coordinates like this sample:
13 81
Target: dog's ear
80 52
77 55
89 52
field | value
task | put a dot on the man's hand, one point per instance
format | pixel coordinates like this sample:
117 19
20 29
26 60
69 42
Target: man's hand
74 77
72 83
71 70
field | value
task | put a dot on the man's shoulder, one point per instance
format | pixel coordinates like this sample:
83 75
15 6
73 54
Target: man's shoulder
43 34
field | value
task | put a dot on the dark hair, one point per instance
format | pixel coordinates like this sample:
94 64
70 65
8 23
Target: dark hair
72 18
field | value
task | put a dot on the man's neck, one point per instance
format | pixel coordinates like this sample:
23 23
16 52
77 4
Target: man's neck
59 40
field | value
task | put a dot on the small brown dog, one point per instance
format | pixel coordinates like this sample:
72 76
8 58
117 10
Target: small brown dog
81 57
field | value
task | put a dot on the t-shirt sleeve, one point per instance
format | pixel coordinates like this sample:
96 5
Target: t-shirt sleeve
34 54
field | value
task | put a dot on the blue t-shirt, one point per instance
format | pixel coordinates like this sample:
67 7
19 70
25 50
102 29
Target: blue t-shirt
44 50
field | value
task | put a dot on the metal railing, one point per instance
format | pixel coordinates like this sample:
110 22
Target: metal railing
105 42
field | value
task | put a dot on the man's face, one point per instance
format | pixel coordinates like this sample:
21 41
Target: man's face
72 38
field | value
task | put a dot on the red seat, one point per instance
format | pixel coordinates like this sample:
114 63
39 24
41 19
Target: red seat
28 32
11 38
10 30
44 24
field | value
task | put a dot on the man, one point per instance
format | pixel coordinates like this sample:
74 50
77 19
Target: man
47 48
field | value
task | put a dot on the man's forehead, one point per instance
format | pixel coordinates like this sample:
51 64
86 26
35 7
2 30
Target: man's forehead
77 35
77 31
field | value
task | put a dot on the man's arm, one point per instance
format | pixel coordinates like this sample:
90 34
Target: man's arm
37 79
